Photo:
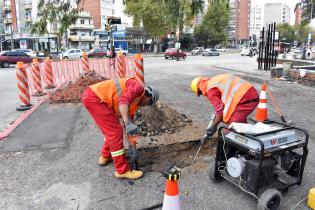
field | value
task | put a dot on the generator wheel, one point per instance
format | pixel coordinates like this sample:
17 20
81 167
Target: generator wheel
213 177
271 198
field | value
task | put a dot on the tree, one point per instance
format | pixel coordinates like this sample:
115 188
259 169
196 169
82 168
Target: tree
302 32
286 31
212 30
64 12
182 12
307 6
151 15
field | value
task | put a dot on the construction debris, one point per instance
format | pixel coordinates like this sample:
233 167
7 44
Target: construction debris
72 92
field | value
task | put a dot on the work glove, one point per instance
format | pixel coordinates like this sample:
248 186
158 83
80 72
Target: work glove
209 133
131 128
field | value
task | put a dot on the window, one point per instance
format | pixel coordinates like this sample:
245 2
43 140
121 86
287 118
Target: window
82 21
78 51
72 51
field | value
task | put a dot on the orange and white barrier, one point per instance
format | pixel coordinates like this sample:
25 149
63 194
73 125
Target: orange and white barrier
49 74
261 111
171 196
121 67
138 68
37 81
22 82
85 62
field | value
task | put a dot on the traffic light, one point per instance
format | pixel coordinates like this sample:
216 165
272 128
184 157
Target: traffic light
107 27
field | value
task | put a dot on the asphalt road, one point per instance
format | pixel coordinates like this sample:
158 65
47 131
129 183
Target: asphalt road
57 166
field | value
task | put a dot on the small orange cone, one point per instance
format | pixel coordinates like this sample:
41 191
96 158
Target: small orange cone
261 111
171 195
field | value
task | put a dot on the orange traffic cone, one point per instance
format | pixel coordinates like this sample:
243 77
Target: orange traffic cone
171 195
261 111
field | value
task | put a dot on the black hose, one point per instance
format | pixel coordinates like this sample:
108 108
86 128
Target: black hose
153 207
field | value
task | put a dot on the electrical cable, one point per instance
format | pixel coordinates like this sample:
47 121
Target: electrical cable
299 203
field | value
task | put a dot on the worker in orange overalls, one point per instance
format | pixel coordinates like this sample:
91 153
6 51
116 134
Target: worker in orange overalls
232 98
105 101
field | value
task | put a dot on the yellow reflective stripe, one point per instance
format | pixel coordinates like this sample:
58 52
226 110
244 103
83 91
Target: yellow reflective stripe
118 87
117 153
226 88
233 91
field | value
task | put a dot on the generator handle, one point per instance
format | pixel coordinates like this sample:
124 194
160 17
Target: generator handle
262 147
288 127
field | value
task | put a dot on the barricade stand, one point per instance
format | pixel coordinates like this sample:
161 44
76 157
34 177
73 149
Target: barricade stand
139 71
22 82
37 81
85 62
49 75
121 67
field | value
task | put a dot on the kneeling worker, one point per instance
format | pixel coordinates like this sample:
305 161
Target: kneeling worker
233 98
105 101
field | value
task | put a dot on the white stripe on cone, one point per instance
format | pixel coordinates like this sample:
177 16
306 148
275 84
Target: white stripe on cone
263 95
262 106
171 202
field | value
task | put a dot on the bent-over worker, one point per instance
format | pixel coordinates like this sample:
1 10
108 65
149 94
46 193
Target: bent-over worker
105 101
233 98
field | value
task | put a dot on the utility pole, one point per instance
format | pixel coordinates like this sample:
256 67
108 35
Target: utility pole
12 44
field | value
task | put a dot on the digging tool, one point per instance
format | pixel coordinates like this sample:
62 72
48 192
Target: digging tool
205 137
277 108
133 151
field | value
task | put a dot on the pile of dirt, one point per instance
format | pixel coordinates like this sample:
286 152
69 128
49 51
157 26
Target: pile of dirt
72 92
157 119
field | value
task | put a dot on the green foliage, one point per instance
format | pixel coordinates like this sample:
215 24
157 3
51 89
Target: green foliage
287 32
161 16
302 32
150 13
64 12
212 30
306 6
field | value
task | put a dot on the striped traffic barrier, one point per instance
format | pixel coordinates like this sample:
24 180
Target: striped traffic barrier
22 82
49 75
138 68
85 62
37 80
121 59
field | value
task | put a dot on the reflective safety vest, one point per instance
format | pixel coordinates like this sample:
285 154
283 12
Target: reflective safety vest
109 92
232 90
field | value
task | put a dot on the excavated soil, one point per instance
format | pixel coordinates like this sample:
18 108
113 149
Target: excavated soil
72 92
168 139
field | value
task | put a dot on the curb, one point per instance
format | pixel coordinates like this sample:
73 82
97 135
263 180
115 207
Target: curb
18 121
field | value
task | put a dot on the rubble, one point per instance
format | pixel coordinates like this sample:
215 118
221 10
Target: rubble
158 119
72 92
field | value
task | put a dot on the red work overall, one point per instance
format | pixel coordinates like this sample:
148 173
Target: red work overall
105 114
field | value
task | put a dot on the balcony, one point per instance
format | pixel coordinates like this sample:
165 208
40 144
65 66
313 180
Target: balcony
6 8
82 26
77 38
28 6
7 21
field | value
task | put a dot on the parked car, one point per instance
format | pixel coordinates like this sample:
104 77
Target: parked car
12 57
221 49
71 54
247 51
27 51
97 53
133 51
210 52
197 50
117 50
172 53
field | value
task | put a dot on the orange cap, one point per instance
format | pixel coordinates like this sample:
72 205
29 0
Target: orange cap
138 56
35 61
171 188
20 64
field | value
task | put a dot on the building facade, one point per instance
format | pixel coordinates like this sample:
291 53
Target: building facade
80 34
298 14
277 12
100 10
242 21
256 21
